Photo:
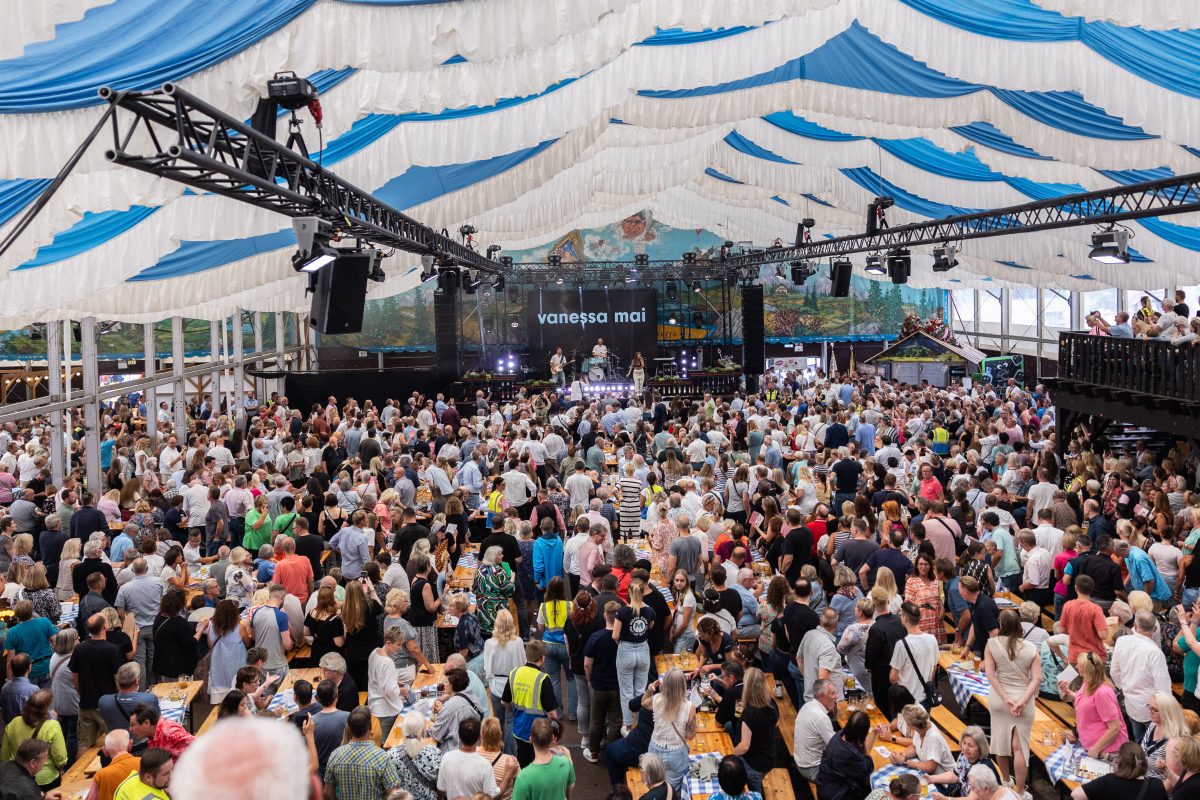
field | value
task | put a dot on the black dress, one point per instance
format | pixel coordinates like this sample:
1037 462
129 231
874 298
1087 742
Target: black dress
174 647
360 644
324 631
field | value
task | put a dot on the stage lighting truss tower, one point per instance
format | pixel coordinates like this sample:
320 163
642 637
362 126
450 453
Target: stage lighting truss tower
1176 195
195 144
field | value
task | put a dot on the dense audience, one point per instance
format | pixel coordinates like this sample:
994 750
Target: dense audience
824 538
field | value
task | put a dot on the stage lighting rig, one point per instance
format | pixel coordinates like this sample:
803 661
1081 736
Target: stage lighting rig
641 260
312 240
1110 246
876 218
899 265
689 257
943 258
492 250
672 291
697 287
875 265
554 260
801 271
375 271
291 91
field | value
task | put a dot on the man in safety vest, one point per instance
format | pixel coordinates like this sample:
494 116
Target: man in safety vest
941 439
528 696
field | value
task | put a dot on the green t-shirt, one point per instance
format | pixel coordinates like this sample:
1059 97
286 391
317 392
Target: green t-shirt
1191 664
545 781
283 524
253 539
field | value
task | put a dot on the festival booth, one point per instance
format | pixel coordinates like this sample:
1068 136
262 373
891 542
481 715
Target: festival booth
926 352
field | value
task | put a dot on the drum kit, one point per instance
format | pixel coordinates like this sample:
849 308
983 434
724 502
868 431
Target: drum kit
601 368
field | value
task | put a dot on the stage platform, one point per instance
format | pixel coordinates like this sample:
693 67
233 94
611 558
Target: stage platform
694 386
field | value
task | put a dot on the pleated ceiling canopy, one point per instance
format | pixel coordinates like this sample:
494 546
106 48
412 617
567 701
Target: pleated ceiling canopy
529 118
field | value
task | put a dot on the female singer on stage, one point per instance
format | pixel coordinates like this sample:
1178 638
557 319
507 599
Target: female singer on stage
637 368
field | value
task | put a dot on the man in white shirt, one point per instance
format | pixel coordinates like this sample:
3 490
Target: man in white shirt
1048 537
1040 495
1139 669
814 729
518 489
818 657
464 772
220 452
924 649
571 553
1035 579
196 504
600 350
579 486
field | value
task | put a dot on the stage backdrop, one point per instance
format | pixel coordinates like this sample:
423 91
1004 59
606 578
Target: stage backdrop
573 320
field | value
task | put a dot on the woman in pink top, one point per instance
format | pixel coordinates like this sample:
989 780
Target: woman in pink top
1098 717
1060 567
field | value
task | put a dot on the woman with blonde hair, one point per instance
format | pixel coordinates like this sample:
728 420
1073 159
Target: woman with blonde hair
416 763
674 725
110 505
661 536
756 740
491 747
502 653
631 632
1167 729
1099 721
806 490
928 752
38 592
63 587
1014 671
886 580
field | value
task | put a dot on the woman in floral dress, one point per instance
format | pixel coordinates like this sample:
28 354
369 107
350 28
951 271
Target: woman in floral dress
925 590
493 587
660 537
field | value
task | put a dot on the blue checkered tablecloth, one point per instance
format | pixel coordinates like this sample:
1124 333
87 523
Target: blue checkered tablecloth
174 710
285 699
755 554
1058 763
695 786
665 592
69 612
469 561
1004 602
965 683
881 777
643 553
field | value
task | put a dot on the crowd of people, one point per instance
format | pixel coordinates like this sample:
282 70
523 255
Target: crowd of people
806 542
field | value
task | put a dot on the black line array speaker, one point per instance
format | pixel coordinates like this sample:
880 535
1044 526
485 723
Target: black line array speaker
755 360
446 323
339 293
839 277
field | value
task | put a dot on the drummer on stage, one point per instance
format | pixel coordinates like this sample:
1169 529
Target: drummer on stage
637 368
557 367
600 351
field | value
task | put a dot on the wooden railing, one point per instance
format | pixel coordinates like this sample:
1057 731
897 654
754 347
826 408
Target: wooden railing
1139 365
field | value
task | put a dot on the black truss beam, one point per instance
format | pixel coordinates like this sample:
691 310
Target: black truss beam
613 271
1176 195
200 146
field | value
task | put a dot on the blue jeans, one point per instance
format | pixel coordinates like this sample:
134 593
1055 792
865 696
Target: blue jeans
237 529
754 778
797 676
558 662
686 642
633 671
780 669
676 761
583 705
510 746
619 757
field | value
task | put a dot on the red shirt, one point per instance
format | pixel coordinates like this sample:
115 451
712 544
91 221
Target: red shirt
1087 626
295 574
170 736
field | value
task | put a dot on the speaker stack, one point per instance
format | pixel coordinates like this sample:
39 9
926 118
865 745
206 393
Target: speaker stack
339 294
754 360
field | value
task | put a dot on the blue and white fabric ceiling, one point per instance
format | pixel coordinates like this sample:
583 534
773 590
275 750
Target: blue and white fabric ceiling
527 118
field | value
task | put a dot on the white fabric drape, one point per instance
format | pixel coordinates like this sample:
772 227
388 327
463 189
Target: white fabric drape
1150 14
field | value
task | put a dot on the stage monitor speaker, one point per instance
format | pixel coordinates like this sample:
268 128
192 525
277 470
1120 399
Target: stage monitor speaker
839 277
754 361
339 293
446 325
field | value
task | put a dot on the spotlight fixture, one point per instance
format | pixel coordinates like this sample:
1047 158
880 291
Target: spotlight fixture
875 215
689 257
559 280
875 265
697 321
1110 246
554 260
492 250
499 284
514 321
506 261
801 271
374 271
899 265
671 320
641 259
943 258
291 91
808 222
466 230
672 291
696 287
312 241
472 283
779 273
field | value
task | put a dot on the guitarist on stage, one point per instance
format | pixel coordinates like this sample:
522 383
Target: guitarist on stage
557 364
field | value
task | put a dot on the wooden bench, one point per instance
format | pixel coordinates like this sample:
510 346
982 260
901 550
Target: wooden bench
787 721
304 651
777 785
952 727
84 767
1063 711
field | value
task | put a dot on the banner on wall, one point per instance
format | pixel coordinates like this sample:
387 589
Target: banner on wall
574 320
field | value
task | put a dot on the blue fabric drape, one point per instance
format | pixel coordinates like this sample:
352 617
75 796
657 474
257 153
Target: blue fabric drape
92 230
192 257
989 135
135 44
810 130
422 184
17 193
744 145
721 176
926 155
674 36
1068 111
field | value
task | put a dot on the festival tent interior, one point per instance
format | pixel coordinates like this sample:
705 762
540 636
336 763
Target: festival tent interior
529 118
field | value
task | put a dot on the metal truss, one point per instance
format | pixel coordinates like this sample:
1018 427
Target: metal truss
613 272
198 145
1176 195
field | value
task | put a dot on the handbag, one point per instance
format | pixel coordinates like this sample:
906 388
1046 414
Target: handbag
933 695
